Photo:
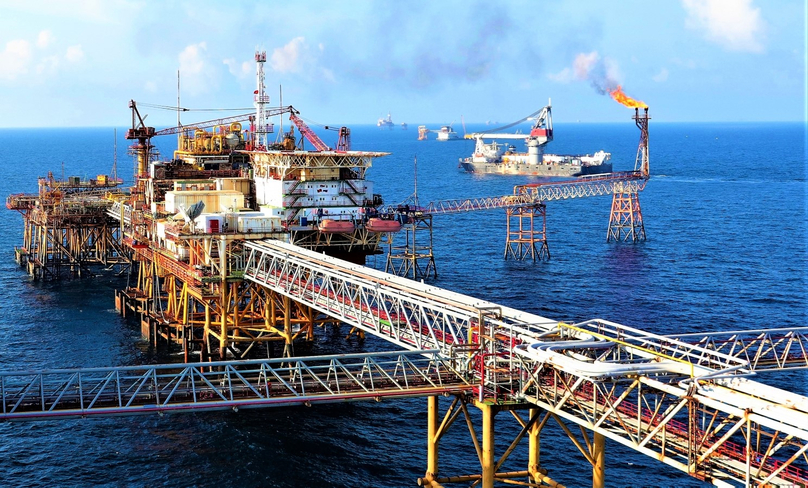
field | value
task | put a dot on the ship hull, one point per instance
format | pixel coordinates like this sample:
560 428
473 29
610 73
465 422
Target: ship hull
552 170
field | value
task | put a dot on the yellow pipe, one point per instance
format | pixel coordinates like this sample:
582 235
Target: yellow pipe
598 456
207 326
487 459
287 326
432 435
534 445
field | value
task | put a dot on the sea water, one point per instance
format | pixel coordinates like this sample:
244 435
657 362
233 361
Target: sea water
725 215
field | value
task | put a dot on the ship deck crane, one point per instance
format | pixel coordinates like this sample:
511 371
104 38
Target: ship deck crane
542 128
540 134
343 144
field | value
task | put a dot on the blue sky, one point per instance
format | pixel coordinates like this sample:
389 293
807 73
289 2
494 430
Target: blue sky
78 63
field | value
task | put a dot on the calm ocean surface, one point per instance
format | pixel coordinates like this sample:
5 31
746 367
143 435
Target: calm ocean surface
725 215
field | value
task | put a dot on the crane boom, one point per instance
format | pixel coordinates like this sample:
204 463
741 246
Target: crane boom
541 132
222 121
494 135
308 133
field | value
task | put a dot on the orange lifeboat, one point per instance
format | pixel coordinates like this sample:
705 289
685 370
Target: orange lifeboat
380 225
329 226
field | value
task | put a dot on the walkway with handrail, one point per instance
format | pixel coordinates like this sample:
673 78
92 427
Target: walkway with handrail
225 385
545 191
686 400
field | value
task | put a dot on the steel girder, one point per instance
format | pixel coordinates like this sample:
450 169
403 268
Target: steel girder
225 385
409 314
713 430
588 186
764 349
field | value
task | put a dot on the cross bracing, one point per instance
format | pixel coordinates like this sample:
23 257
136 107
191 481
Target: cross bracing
224 385
584 186
686 402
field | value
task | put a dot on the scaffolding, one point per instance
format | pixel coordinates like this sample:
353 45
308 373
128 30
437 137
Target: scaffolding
625 220
523 236
67 229
414 259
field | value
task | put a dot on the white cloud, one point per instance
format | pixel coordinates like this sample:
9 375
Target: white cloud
301 58
14 59
240 71
74 54
150 86
195 72
661 76
191 62
44 39
291 57
735 24
563 76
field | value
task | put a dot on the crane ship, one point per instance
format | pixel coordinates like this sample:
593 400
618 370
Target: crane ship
502 157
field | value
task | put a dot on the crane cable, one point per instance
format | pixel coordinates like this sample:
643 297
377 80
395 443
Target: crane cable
183 109
537 112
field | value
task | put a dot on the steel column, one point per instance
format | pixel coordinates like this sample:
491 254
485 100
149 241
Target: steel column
598 451
487 460
432 436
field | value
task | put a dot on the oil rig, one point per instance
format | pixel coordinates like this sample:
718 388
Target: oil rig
237 244
181 228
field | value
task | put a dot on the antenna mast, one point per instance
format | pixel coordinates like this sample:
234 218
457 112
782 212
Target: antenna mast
178 99
261 99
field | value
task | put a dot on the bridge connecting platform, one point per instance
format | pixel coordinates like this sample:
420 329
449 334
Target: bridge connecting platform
224 385
686 400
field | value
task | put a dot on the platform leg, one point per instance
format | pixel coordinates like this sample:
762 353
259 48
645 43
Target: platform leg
487 460
598 456
534 445
432 436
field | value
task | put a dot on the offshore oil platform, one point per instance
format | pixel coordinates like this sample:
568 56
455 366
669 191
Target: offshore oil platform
238 243
180 229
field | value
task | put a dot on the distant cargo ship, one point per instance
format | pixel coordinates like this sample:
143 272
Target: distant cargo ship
386 122
502 158
446 133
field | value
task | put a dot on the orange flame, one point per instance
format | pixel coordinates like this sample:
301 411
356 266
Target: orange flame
626 100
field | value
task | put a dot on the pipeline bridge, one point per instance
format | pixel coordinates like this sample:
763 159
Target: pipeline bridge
686 400
581 187
526 218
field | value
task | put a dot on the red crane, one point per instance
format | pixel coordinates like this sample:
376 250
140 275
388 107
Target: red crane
308 133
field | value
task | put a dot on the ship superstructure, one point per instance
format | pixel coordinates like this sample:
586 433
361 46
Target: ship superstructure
386 122
445 133
503 158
